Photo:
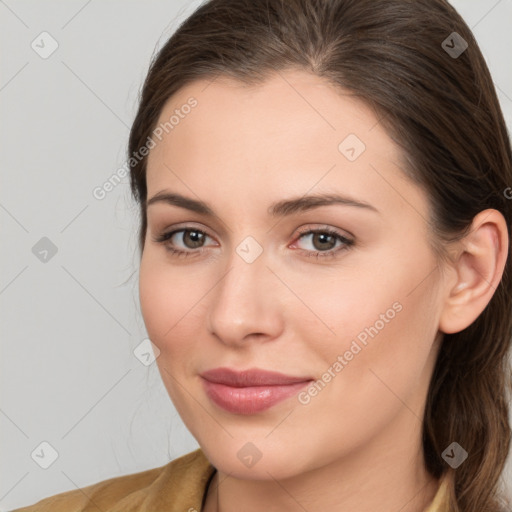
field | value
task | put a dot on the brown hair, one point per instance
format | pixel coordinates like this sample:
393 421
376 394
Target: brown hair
442 109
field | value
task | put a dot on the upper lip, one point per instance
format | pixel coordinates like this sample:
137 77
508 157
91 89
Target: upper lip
251 377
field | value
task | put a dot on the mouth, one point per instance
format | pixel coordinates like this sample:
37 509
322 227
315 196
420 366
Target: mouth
250 391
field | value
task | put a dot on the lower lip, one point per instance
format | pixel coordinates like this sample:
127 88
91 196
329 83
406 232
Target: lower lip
249 400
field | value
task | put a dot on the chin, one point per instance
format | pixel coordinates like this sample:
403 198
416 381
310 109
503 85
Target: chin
259 459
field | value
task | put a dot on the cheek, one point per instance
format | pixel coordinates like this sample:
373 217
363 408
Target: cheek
167 306
155 300
164 301
385 322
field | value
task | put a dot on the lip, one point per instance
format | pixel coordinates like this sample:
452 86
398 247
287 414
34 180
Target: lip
249 391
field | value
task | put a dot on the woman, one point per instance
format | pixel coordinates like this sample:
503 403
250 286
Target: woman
324 190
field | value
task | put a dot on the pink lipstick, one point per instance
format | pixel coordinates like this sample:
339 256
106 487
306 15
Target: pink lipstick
249 391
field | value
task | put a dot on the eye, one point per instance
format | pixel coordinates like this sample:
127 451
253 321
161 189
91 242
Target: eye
192 239
323 242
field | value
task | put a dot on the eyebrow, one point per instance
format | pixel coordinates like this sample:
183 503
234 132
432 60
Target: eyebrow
278 209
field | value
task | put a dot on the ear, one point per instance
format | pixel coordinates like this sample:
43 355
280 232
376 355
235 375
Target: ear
478 264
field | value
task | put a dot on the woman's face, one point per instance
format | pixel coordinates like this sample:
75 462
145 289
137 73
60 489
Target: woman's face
355 309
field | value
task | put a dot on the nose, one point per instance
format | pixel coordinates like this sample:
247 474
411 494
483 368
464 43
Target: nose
245 305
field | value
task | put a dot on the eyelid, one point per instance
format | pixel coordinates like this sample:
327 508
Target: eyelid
186 226
327 227
346 242
301 231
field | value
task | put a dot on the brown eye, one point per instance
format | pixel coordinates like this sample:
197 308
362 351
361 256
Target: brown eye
192 238
183 241
324 243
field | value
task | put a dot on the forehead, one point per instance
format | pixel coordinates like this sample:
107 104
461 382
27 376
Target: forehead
288 108
290 134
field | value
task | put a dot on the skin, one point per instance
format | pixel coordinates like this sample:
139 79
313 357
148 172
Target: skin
356 446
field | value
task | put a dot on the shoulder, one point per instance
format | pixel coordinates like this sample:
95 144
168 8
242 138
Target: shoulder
184 478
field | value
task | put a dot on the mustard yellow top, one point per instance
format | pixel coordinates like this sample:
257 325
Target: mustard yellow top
179 486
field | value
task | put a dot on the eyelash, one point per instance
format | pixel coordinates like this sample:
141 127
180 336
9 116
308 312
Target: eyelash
331 253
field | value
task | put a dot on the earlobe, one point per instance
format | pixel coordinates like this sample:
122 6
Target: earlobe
479 268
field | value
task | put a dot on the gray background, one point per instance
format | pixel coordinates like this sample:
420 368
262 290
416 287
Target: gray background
69 325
